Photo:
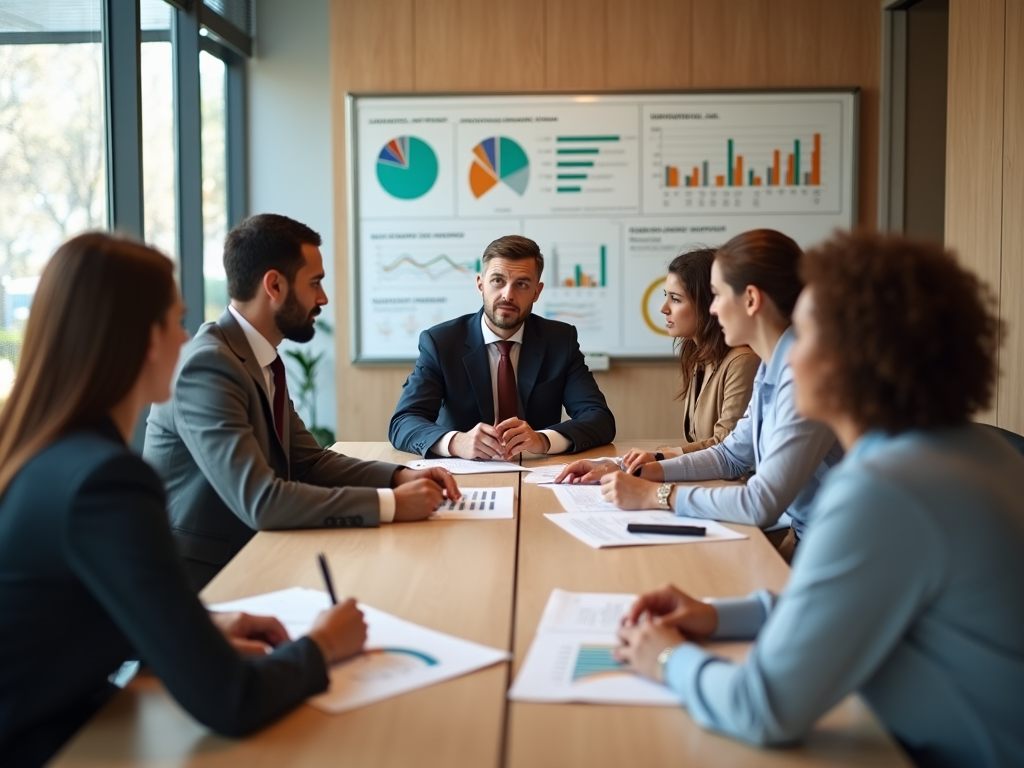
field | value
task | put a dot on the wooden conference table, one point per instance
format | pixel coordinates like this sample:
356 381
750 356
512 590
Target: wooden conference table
485 581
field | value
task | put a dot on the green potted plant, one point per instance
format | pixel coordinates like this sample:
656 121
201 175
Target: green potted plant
304 386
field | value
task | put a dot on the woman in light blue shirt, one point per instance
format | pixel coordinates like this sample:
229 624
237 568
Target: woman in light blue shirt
755 282
907 588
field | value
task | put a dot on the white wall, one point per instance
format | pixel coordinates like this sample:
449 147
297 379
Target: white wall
290 162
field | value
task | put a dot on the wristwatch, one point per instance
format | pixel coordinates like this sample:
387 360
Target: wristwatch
664 491
659 456
662 661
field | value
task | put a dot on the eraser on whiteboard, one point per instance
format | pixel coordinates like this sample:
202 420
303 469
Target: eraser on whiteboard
597 362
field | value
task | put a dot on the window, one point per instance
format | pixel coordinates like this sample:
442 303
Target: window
212 87
160 213
52 148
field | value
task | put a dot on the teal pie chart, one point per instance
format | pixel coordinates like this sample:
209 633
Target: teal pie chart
407 167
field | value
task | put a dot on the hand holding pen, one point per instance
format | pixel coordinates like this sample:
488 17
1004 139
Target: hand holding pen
340 631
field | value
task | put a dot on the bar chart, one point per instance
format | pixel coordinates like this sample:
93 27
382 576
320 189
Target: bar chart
579 265
773 173
577 157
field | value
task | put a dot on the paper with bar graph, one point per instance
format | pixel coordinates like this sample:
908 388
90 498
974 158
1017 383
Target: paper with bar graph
611 187
479 504
571 657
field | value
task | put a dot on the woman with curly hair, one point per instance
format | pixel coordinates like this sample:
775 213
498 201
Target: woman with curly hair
755 282
907 587
716 379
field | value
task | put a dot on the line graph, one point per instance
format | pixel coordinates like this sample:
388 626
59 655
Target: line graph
405 266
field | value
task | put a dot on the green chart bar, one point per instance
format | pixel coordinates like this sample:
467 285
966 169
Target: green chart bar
579 275
750 178
574 151
576 164
478 265
604 265
587 138
705 177
570 189
796 162
729 174
572 175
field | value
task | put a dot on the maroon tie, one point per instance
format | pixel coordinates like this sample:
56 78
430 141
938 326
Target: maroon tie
277 368
508 398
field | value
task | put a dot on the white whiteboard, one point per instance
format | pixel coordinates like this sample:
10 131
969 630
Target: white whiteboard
611 187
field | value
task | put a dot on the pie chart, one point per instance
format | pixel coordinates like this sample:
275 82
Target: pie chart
407 167
498 160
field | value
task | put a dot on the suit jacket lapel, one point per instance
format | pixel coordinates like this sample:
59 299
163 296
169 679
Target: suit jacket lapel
530 358
478 368
235 338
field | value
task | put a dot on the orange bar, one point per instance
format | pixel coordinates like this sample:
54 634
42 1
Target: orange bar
673 176
757 181
695 179
719 181
789 170
816 161
570 283
737 180
777 171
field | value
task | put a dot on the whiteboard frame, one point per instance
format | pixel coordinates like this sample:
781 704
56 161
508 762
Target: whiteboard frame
352 182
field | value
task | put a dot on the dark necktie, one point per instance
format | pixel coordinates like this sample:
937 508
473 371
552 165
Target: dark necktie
277 368
508 398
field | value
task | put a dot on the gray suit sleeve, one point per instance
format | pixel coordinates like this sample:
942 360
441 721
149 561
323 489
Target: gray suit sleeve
210 410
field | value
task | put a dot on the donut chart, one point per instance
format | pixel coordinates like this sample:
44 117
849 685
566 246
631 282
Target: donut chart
407 167
498 160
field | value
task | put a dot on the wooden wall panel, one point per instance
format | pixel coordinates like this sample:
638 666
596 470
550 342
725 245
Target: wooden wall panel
473 45
731 44
371 50
974 138
649 44
1010 396
537 45
576 40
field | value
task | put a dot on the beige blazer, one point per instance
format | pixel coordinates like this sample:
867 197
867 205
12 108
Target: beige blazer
723 399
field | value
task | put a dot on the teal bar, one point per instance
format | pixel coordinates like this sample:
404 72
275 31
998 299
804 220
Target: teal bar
750 183
572 175
576 164
573 151
587 138
570 189
579 275
729 174
478 265
604 265
796 162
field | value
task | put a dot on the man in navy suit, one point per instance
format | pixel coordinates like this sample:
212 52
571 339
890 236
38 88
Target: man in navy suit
493 384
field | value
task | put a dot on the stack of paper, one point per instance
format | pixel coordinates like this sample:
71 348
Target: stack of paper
571 658
400 656
467 466
599 523
544 474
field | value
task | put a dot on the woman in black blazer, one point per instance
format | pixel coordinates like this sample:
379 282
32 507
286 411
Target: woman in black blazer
89 575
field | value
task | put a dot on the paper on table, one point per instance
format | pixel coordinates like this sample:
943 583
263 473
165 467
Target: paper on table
467 467
544 474
608 529
583 498
479 504
570 658
400 656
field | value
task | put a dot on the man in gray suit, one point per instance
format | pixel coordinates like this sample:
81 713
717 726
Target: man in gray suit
233 453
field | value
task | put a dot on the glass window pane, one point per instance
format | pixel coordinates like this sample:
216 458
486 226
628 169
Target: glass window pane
212 85
52 153
158 156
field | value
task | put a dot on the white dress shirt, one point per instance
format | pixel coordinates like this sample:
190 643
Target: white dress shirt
559 443
266 353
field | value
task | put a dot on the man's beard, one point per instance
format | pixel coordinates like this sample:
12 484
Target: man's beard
294 323
506 323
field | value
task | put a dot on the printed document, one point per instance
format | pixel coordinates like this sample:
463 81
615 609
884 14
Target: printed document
479 504
608 529
400 656
571 658
467 466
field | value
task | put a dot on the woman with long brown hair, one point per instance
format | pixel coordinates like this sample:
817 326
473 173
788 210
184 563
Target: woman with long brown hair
756 283
89 575
716 379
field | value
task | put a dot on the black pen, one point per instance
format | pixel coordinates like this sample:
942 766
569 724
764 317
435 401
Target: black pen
327 577
669 530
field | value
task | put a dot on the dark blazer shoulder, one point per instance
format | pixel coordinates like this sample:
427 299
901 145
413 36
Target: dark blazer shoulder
456 328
